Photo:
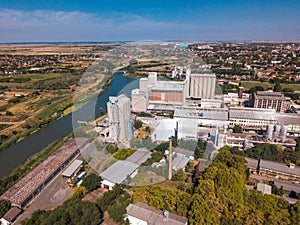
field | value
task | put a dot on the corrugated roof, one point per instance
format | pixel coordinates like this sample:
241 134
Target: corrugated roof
253 113
24 188
153 216
179 162
201 113
72 168
12 214
118 172
280 167
288 118
139 156
183 151
252 162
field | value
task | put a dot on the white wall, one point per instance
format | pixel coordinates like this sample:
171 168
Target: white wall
136 221
108 183
4 221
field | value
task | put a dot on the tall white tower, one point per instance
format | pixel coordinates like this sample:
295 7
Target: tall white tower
118 109
202 85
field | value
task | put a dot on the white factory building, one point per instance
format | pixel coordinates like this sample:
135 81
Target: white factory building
252 118
120 126
153 92
118 172
186 129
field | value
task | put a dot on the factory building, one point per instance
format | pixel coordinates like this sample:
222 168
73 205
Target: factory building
250 118
139 101
201 86
290 120
142 214
270 100
118 172
186 129
29 186
154 93
120 126
274 169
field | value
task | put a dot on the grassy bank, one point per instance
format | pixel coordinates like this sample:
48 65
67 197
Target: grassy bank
54 112
30 164
249 84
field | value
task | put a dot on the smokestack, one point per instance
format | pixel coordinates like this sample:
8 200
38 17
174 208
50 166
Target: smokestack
241 90
170 160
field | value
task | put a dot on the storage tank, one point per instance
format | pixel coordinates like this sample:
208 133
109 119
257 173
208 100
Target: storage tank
277 130
283 132
270 129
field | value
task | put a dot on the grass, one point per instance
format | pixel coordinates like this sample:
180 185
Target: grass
249 84
123 153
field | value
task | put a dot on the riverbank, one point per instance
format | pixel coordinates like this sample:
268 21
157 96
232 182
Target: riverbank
18 153
66 110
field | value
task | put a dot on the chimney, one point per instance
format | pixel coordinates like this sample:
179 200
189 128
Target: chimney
170 160
241 90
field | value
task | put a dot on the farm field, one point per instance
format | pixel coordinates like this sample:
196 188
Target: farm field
38 83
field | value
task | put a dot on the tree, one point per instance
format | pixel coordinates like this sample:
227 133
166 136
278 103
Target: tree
123 153
133 62
287 89
111 148
277 87
79 192
148 129
237 129
137 124
92 182
72 212
179 175
4 207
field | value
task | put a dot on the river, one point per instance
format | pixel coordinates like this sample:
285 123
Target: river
18 153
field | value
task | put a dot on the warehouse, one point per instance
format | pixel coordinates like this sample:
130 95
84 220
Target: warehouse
29 186
118 172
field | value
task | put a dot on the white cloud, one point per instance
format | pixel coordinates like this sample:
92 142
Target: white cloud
45 25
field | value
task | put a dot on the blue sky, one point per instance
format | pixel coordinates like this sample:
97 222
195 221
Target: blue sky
79 20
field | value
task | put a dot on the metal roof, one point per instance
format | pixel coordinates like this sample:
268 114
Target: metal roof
288 118
252 113
253 163
151 215
201 113
139 156
72 168
280 167
19 193
12 214
119 171
179 162
183 151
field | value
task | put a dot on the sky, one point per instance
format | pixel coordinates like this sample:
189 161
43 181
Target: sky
144 20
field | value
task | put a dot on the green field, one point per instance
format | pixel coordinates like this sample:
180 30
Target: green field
249 84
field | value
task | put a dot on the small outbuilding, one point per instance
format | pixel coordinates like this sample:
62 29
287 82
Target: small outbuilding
10 216
72 169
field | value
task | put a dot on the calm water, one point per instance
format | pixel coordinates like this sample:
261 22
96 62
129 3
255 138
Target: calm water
17 154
